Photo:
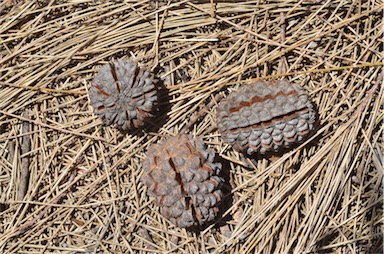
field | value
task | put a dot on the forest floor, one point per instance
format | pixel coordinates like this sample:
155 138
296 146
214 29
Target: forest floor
71 184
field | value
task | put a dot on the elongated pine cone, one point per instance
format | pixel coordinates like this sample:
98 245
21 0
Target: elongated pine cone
181 176
265 116
123 94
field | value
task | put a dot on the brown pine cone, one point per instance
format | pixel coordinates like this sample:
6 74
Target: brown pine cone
181 176
265 116
123 94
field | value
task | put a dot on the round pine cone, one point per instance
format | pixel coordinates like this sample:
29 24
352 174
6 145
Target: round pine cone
181 176
123 94
265 116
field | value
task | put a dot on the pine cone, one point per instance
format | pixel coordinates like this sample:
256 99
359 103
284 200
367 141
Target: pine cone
181 176
123 94
265 116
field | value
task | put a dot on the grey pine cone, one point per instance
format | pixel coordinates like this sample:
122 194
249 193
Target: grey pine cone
265 116
181 176
123 94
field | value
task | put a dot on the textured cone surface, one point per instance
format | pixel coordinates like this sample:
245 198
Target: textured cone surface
181 176
265 116
123 94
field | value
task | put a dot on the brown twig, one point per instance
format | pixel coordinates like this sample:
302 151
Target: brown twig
11 151
25 149
202 112
23 228
283 61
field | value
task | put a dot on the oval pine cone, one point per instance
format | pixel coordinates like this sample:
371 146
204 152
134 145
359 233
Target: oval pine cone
123 94
265 116
181 176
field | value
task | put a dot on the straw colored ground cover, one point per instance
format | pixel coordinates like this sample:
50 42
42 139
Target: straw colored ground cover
70 184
